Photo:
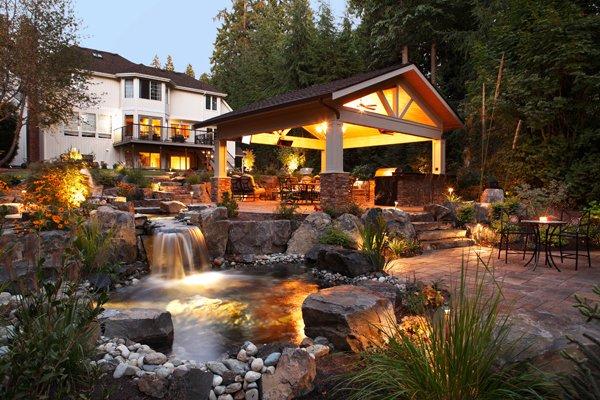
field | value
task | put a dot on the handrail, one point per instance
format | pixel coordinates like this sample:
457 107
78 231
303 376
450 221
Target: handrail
163 134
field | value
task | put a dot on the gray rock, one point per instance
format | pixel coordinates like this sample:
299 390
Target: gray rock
312 255
153 327
124 370
318 350
251 394
293 377
217 367
347 262
258 237
387 290
398 223
194 385
236 366
250 348
233 387
351 225
257 364
252 376
155 358
216 235
351 317
492 196
153 386
172 206
272 359
122 226
439 212
225 396
217 380
309 232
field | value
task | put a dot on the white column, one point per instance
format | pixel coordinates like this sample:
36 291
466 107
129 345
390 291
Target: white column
438 156
220 160
334 147
323 161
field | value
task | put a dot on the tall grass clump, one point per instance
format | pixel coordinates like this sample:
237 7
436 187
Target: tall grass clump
93 246
49 350
375 242
455 358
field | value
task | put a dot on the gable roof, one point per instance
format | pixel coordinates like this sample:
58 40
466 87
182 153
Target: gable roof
113 64
329 89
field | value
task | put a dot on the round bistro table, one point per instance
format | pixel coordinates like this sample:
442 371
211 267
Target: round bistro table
543 231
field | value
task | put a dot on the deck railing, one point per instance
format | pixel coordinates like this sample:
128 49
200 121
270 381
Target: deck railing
162 134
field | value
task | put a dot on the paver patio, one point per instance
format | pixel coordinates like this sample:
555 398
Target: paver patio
540 301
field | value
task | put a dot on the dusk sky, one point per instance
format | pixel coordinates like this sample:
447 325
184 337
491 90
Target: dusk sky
139 29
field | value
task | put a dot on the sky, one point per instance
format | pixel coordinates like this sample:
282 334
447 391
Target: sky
139 29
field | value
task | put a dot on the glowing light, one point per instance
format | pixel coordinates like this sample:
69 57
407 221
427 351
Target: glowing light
322 128
74 154
450 190
204 279
543 219
396 204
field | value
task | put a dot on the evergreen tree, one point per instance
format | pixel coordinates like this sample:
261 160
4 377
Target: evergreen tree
156 62
298 43
169 66
189 70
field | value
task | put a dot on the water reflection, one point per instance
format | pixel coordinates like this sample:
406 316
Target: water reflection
215 311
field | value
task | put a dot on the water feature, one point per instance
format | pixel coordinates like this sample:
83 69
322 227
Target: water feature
177 250
216 311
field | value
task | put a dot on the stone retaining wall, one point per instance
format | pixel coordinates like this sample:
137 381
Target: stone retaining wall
336 190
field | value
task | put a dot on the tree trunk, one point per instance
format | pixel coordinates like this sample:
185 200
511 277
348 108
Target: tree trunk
10 153
405 55
433 62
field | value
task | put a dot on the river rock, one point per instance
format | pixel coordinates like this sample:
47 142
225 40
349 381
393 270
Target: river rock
155 358
272 359
122 226
309 232
251 394
153 386
348 262
351 317
252 376
172 206
259 237
351 225
216 367
318 350
257 364
194 385
142 325
236 366
293 377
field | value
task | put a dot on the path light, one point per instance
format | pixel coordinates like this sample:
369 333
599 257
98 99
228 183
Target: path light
544 219
396 204
450 190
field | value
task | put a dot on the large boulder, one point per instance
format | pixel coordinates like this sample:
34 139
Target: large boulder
351 263
11 208
293 377
492 196
312 256
351 317
201 192
122 225
194 385
351 225
309 232
259 237
384 289
144 325
172 206
215 228
440 212
397 222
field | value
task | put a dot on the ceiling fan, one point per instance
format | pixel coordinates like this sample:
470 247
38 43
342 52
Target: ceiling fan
366 107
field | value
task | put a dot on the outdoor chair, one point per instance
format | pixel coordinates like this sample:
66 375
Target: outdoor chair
576 232
511 227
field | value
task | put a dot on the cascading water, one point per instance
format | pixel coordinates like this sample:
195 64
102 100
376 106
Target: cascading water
178 250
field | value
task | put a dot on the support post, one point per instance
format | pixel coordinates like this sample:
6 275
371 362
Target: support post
336 188
323 161
438 156
221 183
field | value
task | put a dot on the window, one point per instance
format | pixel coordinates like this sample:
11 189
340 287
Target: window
149 160
211 102
150 128
179 162
180 130
104 126
88 124
72 127
128 88
150 89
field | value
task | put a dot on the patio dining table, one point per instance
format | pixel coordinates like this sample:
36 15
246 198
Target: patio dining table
543 231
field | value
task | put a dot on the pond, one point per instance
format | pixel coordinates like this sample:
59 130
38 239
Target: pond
214 312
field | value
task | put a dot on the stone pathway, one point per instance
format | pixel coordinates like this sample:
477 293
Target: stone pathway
540 302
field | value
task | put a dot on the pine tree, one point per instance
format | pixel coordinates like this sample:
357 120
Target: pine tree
189 70
299 37
156 62
169 66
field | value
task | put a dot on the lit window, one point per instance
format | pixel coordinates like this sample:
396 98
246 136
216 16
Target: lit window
72 126
104 126
180 130
149 160
88 124
178 162
128 88
211 102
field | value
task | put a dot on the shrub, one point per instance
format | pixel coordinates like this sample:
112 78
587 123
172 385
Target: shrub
375 242
594 209
93 247
336 237
455 358
420 298
54 191
286 210
402 247
198 177
104 177
351 208
50 350
584 383
136 177
127 190
230 204
364 172
465 214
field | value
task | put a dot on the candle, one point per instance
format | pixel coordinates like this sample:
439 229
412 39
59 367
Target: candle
544 219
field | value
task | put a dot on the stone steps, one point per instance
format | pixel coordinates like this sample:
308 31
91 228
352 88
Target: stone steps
429 226
422 216
446 244
148 210
441 234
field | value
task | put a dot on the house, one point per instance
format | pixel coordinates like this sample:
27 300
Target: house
142 117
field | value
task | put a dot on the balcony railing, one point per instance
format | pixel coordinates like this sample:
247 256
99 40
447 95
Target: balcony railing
162 134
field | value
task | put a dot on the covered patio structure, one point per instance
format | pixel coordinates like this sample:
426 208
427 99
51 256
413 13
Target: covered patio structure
385 107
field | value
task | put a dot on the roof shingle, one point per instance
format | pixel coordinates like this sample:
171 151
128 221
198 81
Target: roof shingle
112 63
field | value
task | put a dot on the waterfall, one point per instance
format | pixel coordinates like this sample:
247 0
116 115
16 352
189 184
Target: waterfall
178 250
